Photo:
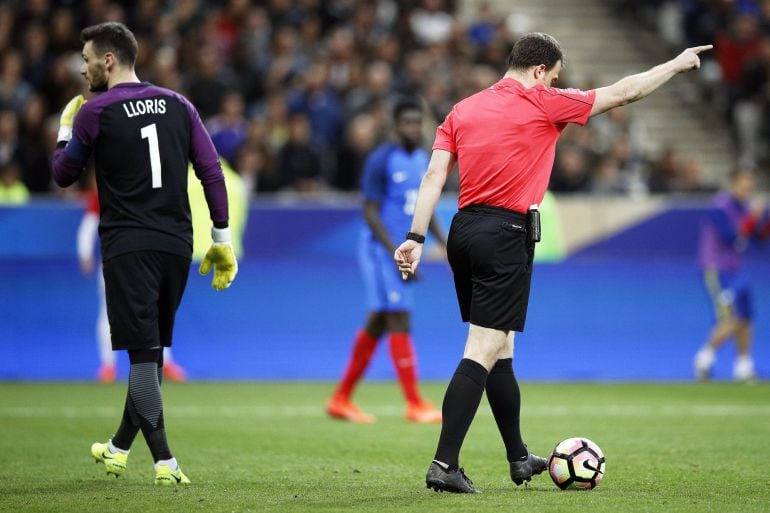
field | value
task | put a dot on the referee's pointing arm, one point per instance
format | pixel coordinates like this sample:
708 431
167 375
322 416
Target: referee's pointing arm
635 87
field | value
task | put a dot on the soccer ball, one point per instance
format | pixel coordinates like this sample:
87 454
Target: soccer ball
576 463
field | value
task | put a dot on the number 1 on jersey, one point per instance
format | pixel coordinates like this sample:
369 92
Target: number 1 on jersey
150 132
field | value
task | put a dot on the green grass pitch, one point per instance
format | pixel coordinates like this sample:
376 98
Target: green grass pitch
269 447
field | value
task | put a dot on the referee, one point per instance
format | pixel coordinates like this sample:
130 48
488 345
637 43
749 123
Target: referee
503 140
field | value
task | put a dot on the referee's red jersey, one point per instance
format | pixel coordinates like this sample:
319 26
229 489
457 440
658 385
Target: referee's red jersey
505 137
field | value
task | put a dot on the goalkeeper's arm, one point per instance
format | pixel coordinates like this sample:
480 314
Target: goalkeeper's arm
71 155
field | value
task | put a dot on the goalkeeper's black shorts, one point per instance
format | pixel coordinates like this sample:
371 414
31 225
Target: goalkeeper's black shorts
492 264
143 290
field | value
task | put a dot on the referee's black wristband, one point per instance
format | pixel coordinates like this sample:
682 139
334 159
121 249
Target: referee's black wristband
415 237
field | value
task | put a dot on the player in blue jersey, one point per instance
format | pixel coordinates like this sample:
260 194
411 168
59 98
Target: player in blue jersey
734 220
141 138
391 178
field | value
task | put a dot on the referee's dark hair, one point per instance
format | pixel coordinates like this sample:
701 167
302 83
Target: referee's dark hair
534 49
112 37
405 104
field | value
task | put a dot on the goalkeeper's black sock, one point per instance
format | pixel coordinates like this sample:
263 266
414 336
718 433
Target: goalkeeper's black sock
129 424
145 397
461 401
505 400
129 427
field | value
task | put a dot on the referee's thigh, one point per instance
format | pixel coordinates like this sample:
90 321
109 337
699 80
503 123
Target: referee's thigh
458 254
491 260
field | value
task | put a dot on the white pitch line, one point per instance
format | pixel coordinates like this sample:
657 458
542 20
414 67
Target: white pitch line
316 410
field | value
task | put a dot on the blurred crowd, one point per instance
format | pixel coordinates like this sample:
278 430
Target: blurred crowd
295 93
736 75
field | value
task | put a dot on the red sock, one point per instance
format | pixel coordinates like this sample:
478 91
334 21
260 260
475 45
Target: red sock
405 361
363 348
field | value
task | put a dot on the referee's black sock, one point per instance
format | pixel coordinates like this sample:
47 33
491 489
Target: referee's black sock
505 400
461 401
130 423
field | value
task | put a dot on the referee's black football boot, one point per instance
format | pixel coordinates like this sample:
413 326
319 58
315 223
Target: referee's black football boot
448 481
527 467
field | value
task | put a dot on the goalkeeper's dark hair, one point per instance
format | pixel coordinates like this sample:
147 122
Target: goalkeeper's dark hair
406 104
534 49
112 37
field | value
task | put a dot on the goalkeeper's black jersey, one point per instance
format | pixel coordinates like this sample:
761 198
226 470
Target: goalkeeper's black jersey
142 138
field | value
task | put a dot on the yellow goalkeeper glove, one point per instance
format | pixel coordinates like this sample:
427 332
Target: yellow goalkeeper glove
221 256
68 118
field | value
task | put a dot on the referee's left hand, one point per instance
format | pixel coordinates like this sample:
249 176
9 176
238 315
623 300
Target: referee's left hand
407 257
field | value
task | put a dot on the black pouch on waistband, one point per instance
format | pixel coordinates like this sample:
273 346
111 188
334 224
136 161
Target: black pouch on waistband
533 224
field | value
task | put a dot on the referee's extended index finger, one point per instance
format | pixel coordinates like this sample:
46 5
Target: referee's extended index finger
699 49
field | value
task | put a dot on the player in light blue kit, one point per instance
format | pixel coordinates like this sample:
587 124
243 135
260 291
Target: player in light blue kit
391 177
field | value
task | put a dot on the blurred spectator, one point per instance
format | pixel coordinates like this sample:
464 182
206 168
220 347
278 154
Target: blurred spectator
702 19
665 170
431 23
12 189
34 162
690 177
287 61
362 136
342 57
9 136
251 54
570 171
299 163
619 124
752 106
165 71
377 87
208 86
14 90
632 167
37 60
229 127
255 169
277 116
7 21
145 16
64 36
733 47
320 105
607 180
484 26
369 28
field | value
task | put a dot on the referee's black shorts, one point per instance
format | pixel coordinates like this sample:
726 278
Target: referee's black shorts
492 265
143 291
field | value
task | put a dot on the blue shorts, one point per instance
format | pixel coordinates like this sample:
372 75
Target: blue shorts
730 294
385 290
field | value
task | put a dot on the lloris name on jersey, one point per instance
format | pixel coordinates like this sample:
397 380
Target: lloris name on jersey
148 106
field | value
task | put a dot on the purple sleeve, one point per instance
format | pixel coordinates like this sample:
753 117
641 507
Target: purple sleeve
205 161
724 227
66 169
70 161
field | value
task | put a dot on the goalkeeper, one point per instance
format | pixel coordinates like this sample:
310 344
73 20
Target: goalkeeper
142 137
